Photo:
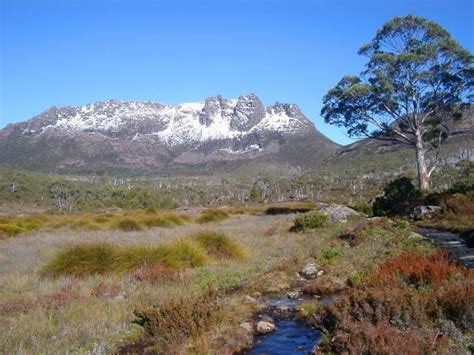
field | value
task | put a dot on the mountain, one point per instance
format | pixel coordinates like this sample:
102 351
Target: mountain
138 137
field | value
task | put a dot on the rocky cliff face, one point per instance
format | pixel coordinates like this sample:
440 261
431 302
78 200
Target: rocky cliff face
148 136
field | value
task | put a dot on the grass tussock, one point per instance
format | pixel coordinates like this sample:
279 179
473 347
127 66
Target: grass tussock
89 259
128 225
218 244
126 221
311 220
410 295
212 215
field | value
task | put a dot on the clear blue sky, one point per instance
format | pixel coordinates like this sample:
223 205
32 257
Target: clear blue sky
73 52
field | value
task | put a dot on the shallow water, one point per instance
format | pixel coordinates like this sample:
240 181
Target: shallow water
290 337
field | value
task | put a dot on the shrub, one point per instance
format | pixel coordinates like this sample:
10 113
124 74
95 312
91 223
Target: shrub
218 244
212 215
409 295
310 220
127 225
364 207
171 323
399 197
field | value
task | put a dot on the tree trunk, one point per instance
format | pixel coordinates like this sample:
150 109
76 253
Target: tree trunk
423 178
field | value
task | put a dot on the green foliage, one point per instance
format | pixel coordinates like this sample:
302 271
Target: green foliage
89 259
329 254
255 193
416 79
212 215
398 199
218 279
310 220
364 208
218 244
11 230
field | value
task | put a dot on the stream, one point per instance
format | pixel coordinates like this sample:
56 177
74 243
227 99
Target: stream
291 336
453 243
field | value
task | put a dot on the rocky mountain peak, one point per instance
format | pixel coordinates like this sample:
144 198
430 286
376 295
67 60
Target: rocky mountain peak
248 112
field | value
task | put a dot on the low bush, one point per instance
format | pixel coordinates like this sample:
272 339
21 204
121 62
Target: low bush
311 220
399 198
212 215
410 295
364 207
218 244
170 324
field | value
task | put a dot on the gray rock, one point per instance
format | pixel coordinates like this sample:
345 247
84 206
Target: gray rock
265 327
337 213
293 295
310 271
425 212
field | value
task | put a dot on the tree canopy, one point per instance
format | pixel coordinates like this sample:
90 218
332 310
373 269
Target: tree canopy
416 78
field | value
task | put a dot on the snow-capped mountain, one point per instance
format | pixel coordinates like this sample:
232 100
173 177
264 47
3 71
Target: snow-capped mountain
153 136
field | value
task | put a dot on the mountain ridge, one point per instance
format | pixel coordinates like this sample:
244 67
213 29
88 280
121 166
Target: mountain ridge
151 136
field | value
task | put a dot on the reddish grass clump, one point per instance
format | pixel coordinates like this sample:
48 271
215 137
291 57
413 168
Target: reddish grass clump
104 290
156 273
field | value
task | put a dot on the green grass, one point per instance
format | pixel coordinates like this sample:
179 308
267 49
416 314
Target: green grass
212 215
218 244
311 220
11 230
89 259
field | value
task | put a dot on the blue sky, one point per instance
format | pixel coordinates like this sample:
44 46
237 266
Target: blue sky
73 52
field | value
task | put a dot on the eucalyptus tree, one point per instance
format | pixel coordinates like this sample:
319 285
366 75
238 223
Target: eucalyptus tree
417 79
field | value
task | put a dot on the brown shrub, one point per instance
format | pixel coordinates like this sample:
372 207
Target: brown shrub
176 320
460 204
407 297
382 338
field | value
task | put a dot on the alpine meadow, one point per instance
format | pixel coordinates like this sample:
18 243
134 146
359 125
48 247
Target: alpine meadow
153 200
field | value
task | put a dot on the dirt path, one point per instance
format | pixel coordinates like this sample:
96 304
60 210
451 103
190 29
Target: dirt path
453 243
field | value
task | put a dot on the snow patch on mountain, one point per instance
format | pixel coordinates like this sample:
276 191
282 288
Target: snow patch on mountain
215 119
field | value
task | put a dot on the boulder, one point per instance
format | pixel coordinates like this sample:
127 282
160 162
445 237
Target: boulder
293 295
425 212
310 271
337 213
265 327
